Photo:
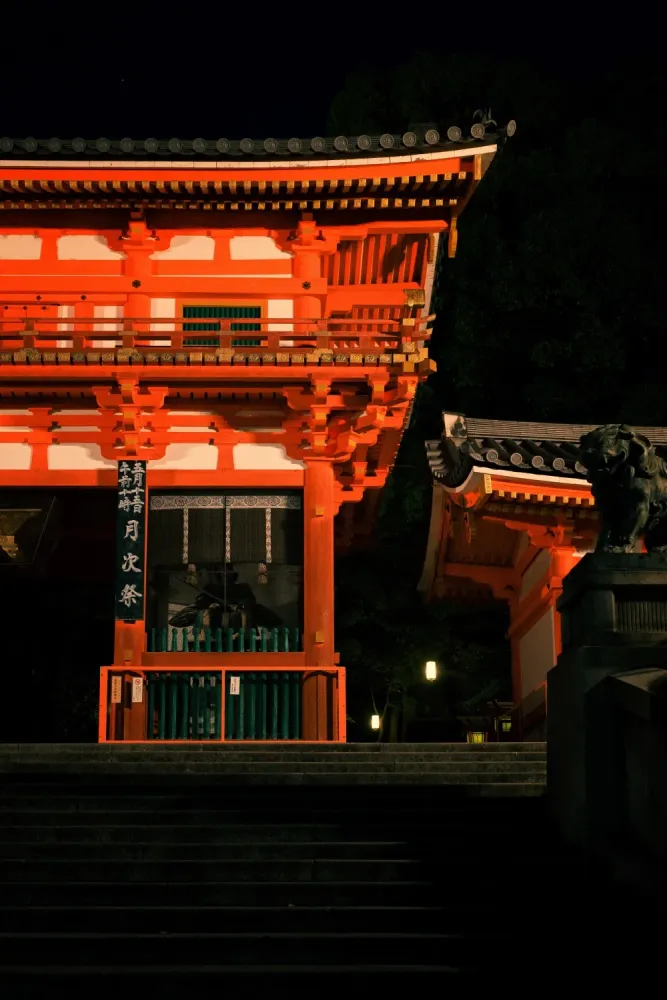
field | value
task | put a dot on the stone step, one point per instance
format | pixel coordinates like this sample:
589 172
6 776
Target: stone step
443 831
320 869
140 813
236 918
258 775
142 749
201 851
410 891
294 761
242 981
257 851
244 948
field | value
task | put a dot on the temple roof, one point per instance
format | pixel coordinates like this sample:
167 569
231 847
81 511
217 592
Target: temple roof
413 142
535 449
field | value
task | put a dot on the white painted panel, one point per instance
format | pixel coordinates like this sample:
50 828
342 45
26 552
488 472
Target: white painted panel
537 652
535 571
255 248
17 247
10 411
187 456
6 429
163 309
65 312
76 457
264 456
15 456
73 413
187 248
107 312
86 248
280 309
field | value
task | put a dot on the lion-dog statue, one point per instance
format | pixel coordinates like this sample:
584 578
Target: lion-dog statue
629 485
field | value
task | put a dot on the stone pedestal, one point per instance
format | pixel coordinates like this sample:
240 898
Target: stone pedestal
614 619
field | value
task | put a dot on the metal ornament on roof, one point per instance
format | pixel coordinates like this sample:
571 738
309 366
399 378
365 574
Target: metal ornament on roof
175 146
294 145
340 143
127 145
271 145
222 145
102 145
246 145
364 142
54 145
410 139
30 145
151 145
386 140
317 144
199 145
454 133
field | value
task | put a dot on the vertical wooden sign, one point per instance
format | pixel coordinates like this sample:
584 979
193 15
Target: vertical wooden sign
130 541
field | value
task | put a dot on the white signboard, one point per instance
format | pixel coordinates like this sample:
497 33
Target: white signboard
235 685
137 689
116 690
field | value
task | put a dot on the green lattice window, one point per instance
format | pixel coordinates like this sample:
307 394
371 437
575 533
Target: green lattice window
207 318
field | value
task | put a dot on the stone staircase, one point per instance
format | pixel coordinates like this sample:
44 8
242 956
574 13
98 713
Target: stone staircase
177 867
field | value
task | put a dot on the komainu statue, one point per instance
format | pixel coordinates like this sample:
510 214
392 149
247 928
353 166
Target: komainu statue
629 485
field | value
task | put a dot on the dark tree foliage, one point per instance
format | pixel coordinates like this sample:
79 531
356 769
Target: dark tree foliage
551 310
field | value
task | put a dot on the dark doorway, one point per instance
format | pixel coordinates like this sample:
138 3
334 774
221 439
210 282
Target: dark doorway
56 597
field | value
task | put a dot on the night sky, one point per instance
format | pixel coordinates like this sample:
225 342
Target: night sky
204 73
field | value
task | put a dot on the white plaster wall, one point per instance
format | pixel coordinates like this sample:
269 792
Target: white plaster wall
255 248
76 457
187 456
16 247
264 456
107 312
281 309
187 248
537 652
163 309
535 571
86 248
73 413
15 456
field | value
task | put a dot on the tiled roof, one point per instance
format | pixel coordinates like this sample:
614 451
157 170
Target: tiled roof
515 446
428 139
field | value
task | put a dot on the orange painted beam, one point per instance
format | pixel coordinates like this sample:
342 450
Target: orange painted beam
290 172
180 375
153 285
178 478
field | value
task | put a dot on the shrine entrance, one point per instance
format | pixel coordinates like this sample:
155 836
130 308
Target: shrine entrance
56 595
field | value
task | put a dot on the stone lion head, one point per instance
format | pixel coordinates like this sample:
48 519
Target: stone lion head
609 447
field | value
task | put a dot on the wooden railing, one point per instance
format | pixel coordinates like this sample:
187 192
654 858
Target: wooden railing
148 334
221 704
197 639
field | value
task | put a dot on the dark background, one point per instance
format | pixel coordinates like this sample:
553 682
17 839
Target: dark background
553 308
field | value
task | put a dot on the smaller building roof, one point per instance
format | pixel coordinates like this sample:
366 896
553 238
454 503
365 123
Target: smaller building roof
502 445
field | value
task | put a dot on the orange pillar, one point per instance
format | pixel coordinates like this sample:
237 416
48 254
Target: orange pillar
318 610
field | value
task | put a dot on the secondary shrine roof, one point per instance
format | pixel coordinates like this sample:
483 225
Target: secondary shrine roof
223 152
515 447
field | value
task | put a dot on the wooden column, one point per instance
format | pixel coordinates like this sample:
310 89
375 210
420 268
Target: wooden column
318 633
